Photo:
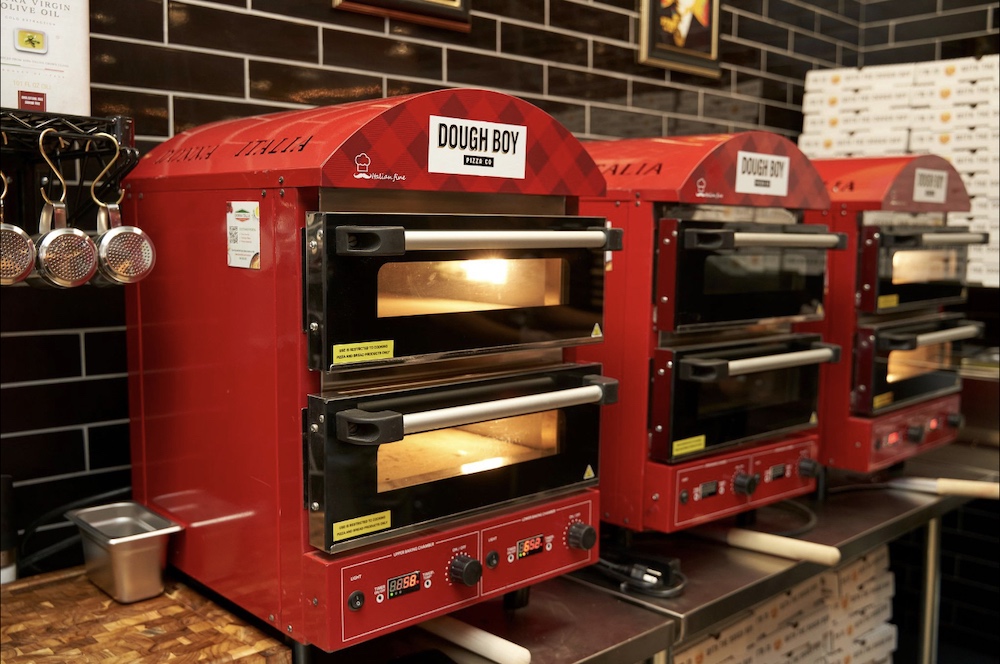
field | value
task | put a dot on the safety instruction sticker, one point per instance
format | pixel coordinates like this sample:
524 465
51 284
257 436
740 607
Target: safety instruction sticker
758 173
243 234
930 185
689 445
474 147
888 301
882 400
366 351
362 525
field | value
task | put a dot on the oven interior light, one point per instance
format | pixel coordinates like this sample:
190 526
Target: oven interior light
489 270
481 465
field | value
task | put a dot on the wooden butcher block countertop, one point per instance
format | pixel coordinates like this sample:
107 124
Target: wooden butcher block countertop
63 617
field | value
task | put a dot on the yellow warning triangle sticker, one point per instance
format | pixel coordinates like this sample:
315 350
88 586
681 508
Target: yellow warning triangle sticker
812 418
596 332
589 473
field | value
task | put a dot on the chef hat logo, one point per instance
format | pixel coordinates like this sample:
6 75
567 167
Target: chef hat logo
362 161
700 184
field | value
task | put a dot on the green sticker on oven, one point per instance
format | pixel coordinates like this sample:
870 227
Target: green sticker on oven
362 525
366 351
689 445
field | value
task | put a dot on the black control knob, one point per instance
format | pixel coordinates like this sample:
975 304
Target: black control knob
581 536
465 570
746 484
915 433
955 420
809 468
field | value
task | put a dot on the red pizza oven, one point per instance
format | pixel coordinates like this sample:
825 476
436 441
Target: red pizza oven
718 397
351 374
896 393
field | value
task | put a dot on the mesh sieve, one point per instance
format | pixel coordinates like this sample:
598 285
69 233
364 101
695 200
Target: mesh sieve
17 255
126 254
67 257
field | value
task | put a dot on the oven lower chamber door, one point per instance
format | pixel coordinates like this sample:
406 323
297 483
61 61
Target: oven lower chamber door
708 397
907 361
390 460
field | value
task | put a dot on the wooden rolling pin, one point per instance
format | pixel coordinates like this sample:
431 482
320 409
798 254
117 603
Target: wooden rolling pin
478 641
944 486
776 545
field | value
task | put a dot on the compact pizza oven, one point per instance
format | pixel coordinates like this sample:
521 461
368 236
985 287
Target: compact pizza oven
718 396
351 374
898 394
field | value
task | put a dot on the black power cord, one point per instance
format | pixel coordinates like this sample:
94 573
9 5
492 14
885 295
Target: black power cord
653 577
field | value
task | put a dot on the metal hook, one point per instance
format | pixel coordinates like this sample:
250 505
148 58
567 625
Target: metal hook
62 181
93 185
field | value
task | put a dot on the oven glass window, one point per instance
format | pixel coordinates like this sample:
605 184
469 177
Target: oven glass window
731 274
436 455
904 365
746 394
926 266
457 286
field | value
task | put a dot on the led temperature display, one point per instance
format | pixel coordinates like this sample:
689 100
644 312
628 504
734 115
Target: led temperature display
530 546
403 584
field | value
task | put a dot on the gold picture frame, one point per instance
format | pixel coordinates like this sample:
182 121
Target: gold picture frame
449 14
681 35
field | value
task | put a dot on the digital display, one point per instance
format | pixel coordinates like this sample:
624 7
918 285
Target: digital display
403 584
530 546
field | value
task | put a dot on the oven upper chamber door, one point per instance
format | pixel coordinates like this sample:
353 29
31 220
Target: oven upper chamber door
385 460
711 396
390 288
724 274
908 360
905 267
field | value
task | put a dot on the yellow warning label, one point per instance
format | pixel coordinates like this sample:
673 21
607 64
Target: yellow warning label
596 332
882 400
362 352
589 473
689 445
361 525
888 301
813 419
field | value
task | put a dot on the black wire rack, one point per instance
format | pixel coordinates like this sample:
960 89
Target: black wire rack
76 149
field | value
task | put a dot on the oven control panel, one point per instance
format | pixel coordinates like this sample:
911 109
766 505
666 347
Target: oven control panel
902 434
704 490
417 578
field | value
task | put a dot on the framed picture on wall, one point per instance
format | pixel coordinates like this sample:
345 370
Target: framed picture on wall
450 14
681 35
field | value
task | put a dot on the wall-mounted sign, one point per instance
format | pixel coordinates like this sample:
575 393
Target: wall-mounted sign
681 35
45 55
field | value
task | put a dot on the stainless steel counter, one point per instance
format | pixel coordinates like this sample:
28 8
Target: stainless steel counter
724 582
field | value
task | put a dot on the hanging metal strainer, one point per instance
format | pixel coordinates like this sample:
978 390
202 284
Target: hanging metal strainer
17 251
67 257
125 253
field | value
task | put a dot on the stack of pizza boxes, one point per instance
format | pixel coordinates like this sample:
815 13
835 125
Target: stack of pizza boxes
839 617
